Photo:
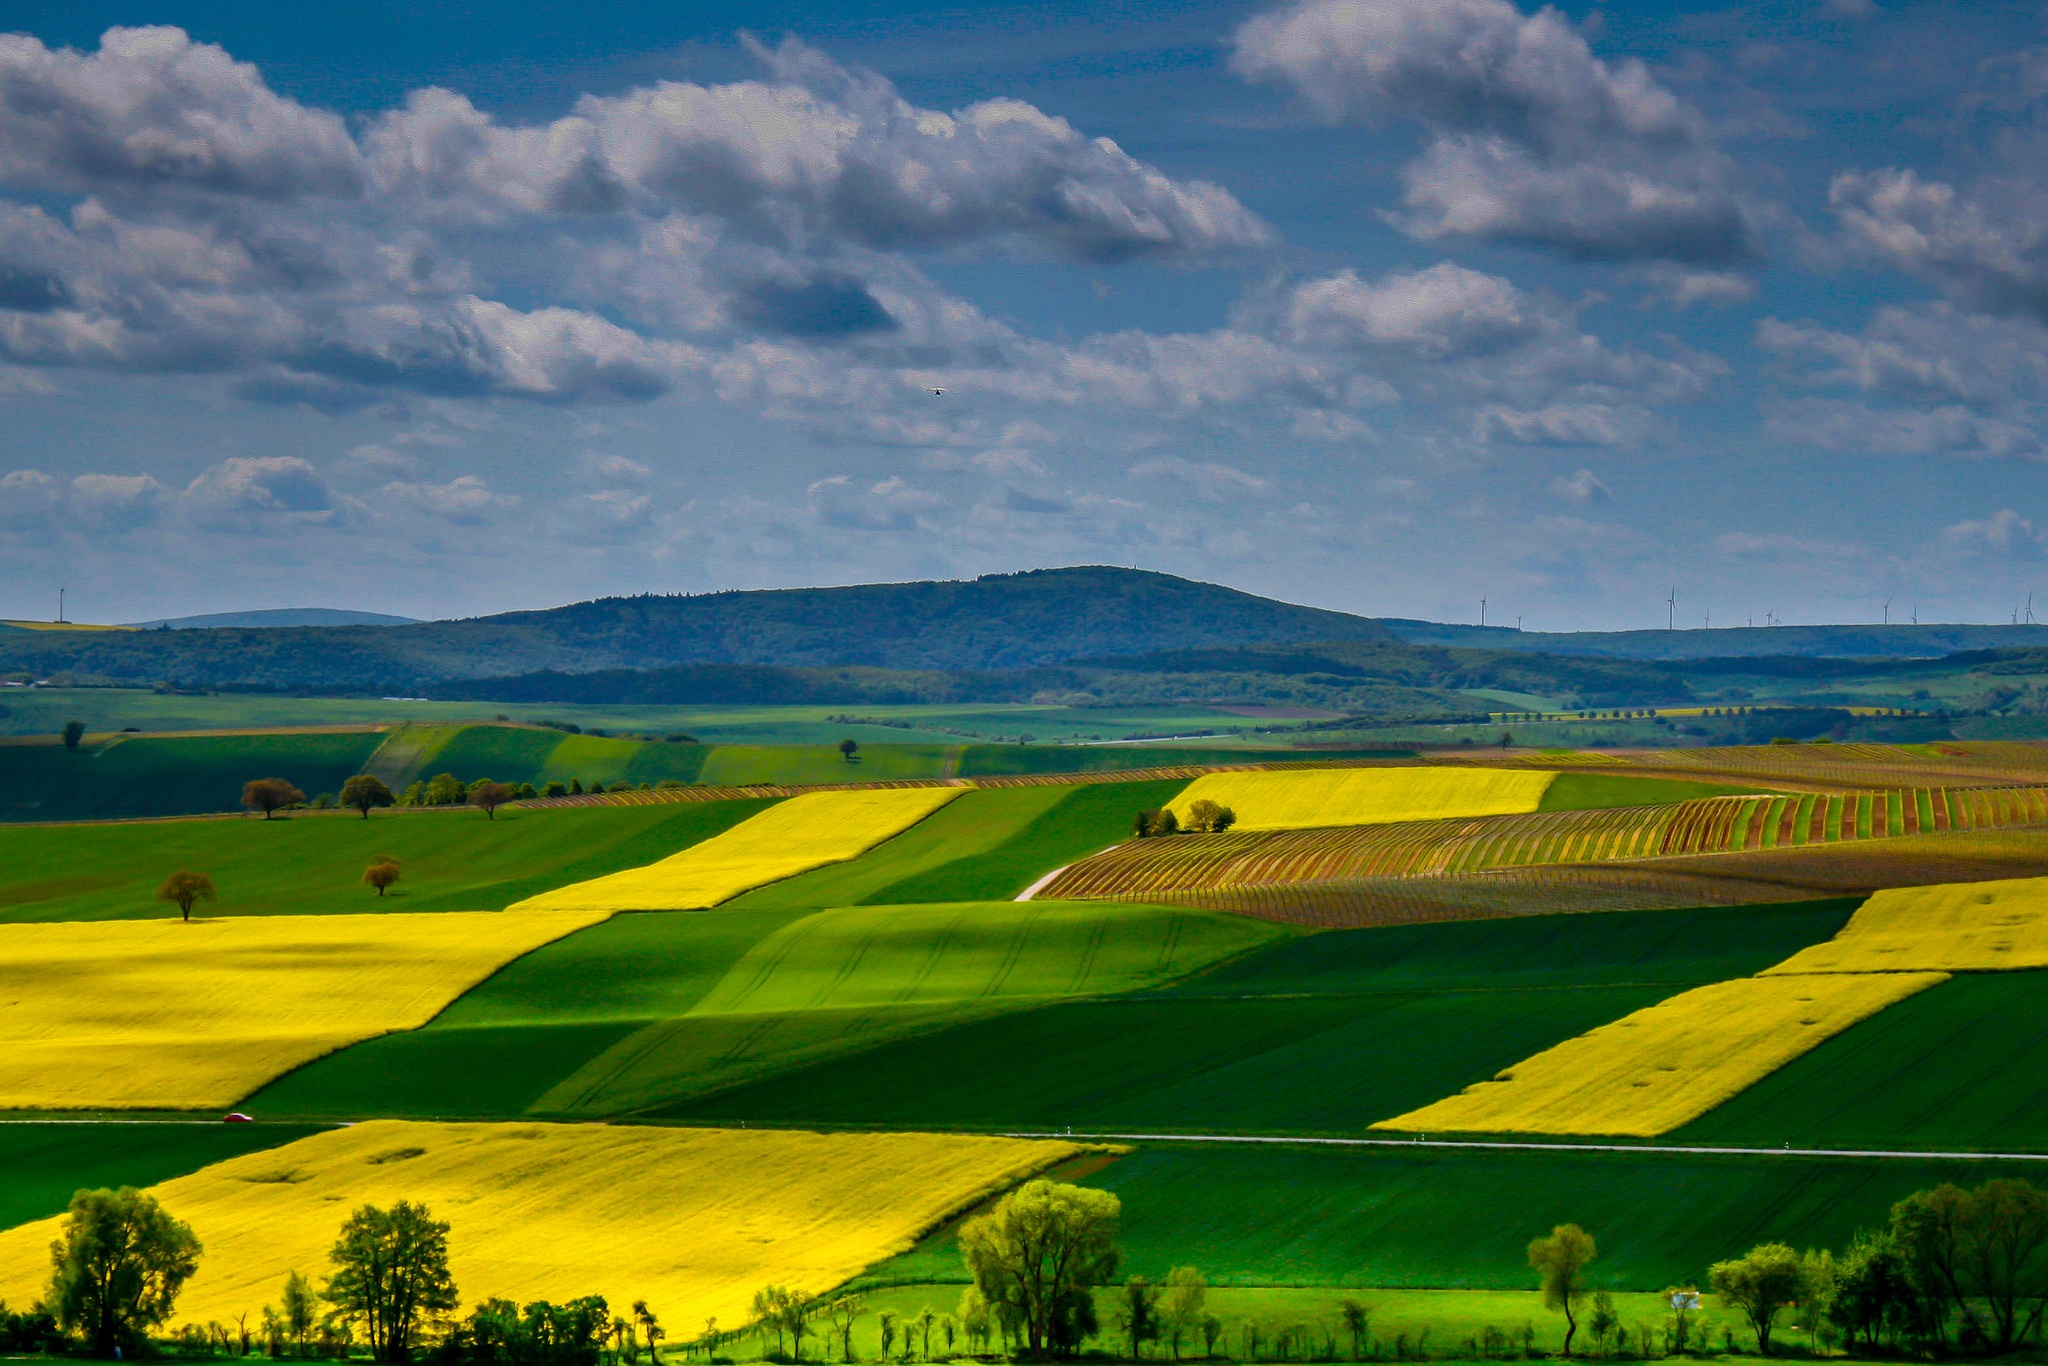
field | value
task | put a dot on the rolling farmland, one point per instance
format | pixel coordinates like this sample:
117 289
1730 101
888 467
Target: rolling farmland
559 1211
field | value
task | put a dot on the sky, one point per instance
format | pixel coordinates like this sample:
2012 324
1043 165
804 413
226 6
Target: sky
1391 306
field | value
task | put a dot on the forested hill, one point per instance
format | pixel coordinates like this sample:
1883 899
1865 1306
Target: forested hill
997 622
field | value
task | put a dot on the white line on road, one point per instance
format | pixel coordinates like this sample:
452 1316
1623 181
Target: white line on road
1669 1150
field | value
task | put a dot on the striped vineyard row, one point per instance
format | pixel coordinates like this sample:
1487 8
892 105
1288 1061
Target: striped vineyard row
1147 869
1762 876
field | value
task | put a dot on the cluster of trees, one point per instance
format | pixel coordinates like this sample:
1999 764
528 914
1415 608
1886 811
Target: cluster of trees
1953 1270
1204 817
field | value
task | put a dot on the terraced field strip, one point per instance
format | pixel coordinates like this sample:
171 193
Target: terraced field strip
1241 860
170 1015
1968 927
1654 1070
1946 763
557 1211
789 838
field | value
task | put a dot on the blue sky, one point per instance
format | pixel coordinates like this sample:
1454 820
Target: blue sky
1384 305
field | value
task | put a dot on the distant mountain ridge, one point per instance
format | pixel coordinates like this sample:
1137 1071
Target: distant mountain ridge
996 622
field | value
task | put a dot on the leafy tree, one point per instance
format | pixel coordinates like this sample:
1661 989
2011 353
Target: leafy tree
650 1327
270 795
74 731
1986 1247
842 1314
575 787
975 1319
487 797
1603 1320
848 748
1206 817
301 1308
391 1276
1137 1313
555 788
364 791
1560 1261
445 789
117 1266
1358 1323
782 1311
1186 1295
1875 1297
382 873
1035 1256
1761 1283
1152 824
185 888
888 1324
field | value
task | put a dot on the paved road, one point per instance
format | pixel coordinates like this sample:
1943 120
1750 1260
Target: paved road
1530 1146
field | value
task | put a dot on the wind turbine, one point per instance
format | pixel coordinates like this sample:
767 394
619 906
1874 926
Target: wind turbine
1482 611
1887 611
1671 618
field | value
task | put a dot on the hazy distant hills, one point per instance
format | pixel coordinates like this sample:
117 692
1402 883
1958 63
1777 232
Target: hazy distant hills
1930 641
275 616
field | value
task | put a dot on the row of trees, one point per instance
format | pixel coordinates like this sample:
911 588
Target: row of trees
1953 1269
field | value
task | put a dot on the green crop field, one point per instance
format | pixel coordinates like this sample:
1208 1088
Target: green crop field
647 1008
1956 1068
168 775
1605 791
1279 1215
312 863
1289 1039
44 1163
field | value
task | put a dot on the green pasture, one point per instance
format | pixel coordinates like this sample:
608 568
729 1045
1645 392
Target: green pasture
1259 1065
1318 1034
135 775
647 1008
309 863
1956 1068
1401 1217
43 711
1605 791
44 1163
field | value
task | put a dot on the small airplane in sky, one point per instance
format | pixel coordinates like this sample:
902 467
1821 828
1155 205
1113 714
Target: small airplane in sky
937 392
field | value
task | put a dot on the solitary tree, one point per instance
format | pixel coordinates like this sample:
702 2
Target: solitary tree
301 1309
848 748
391 1276
445 789
1358 1323
364 791
74 731
382 873
1761 1283
1035 1256
1560 1261
1137 1313
117 1267
1186 1295
269 795
184 889
487 797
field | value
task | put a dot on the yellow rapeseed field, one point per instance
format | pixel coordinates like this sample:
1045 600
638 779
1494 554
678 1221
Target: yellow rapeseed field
1950 927
788 838
692 1220
1295 799
165 1014
1670 1063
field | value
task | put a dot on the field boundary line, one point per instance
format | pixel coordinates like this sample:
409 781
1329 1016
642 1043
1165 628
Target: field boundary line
1526 1145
